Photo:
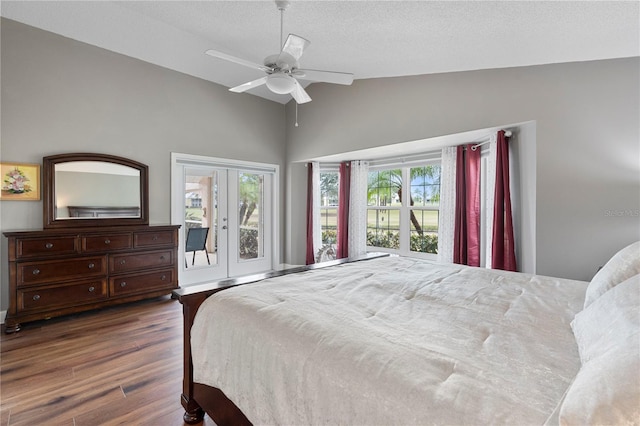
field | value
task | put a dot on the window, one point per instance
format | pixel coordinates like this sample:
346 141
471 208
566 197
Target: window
384 193
424 204
329 195
403 207
402 210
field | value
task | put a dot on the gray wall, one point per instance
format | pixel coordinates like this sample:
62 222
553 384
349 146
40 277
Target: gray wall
522 147
587 152
60 95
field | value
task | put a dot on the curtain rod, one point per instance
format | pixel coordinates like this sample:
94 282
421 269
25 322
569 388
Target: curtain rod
507 133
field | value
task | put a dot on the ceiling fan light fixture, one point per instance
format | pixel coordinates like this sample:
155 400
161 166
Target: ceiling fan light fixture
281 84
282 70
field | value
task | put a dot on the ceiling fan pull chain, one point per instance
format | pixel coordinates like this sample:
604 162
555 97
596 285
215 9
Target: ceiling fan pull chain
296 113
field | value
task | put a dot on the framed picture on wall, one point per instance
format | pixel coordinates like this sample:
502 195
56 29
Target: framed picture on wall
19 181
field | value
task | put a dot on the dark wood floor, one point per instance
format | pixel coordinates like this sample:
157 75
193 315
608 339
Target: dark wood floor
121 365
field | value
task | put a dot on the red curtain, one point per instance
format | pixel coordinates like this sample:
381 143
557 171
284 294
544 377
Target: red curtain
311 255
342 249
466 243
503 254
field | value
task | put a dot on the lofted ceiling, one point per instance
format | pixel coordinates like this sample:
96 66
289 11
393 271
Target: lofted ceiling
371 39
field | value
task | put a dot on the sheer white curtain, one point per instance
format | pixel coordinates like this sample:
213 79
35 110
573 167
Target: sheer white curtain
488 199
317 228
358 208
446 217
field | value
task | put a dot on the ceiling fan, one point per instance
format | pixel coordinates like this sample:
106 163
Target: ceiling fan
283 70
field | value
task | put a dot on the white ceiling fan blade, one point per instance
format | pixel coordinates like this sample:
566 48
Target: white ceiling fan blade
234 59
324 76
294 46
300 95
249 85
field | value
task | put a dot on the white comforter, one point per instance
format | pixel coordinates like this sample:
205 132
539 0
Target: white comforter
391 341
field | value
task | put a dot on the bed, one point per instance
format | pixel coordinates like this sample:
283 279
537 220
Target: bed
395 340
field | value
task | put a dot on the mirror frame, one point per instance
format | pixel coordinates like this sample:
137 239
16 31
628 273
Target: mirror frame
49 191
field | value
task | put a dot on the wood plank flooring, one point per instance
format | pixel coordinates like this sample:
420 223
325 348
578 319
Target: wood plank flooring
120 365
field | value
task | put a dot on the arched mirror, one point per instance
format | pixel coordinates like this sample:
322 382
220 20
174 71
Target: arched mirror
85 189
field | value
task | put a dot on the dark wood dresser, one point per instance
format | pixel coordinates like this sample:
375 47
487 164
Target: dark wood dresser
55 272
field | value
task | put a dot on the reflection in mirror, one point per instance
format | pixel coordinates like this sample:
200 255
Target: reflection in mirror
94 189
90 189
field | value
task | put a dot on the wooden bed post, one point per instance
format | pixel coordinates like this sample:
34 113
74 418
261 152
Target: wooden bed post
193 412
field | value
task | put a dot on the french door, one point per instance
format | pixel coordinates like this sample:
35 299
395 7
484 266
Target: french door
226 210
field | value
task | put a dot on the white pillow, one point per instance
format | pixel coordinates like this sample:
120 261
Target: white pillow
624 264
606 390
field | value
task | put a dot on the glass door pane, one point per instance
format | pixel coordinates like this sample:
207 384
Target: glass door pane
250 229
201 217
250 218
204 256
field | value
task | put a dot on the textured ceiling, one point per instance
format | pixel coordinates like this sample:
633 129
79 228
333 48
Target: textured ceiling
371 39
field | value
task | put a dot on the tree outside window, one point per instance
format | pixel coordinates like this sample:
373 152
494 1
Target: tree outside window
329 196
425 203
384 194
250 215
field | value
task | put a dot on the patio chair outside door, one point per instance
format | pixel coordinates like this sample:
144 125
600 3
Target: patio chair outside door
196 241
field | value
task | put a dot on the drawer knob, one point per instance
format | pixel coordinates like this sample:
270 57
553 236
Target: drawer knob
164 277
92 289
122 262
107 241
161 257
36 297
123 284
155 238
36 271
92 265
48 245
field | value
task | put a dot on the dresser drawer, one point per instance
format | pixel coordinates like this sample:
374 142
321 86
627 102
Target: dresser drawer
140 283
56 296
106 242
58 270
134 261
46 246
151 239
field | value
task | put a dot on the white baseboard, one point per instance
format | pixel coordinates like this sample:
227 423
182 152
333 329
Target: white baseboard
282 266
